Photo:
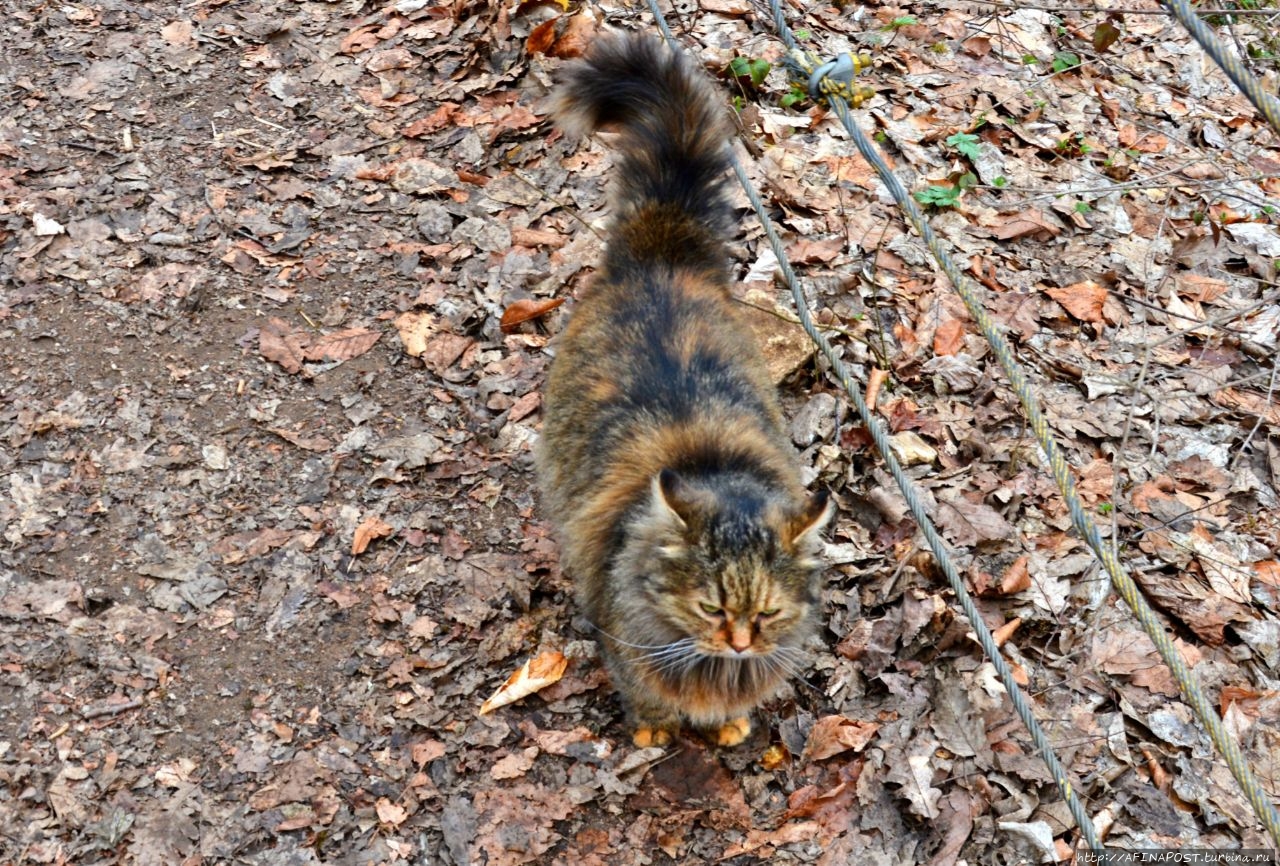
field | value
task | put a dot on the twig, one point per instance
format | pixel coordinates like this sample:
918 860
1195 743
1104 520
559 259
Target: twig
109 708
1111 10
1271 390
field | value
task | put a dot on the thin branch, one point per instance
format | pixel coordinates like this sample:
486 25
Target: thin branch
1110 10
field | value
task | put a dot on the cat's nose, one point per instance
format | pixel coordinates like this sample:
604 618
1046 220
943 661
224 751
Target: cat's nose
740 639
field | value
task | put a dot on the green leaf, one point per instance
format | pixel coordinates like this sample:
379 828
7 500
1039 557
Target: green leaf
797 94
966 143
1001 182
1065 60
938 196
754 70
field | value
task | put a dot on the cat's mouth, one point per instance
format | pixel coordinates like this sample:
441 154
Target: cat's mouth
730 653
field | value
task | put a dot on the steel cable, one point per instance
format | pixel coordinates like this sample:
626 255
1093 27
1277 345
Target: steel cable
1268 106
1189 686
1060 469
936 545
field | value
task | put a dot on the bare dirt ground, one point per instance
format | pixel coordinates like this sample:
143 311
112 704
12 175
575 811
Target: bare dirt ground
270 533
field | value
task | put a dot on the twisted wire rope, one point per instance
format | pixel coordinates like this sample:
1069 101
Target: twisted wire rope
836 93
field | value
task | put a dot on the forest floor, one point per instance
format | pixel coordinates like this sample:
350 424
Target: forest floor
270 529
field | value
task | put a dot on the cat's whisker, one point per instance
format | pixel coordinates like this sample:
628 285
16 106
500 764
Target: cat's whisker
673 654
773 665
639 646
786 661
677 667
673 670
794 664
678 658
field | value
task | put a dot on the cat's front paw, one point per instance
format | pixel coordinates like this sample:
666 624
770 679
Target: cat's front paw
645 736
733 732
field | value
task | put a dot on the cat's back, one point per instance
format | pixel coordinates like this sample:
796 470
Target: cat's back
657 368
655 345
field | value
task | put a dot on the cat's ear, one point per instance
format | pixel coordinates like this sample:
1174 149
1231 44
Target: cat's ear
672 513
804 526
672 492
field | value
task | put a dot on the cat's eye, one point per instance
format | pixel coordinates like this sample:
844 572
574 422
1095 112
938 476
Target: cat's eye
769 612
710 609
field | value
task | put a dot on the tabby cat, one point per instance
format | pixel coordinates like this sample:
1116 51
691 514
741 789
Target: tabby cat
663 461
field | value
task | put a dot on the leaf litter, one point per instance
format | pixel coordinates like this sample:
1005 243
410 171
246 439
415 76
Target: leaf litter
277 289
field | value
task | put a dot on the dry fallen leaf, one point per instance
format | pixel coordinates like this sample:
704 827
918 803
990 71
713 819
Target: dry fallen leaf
534 675
342 345
391 814
774 757
1017 578
832 735
175 773
307 443
1034 223
515 764
526 309
1083 301
373 527
415 328
443 116
1248 403
427 751
949 338
280 342
1268 572
1002 634
916 779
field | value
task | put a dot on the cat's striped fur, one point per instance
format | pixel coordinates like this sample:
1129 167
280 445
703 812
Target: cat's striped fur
663 461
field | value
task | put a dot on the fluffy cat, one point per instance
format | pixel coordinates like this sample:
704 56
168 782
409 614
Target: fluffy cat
663 462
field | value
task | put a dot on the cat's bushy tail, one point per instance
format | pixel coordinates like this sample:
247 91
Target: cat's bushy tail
671 149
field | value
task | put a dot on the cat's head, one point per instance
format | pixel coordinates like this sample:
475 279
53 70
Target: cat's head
727 562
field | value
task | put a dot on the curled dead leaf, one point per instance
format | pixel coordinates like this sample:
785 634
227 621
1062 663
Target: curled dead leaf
1084 301
391 814
373 527
415 329
1002 634
774 757
1017 578
534 675
875 380
526 309
832 735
